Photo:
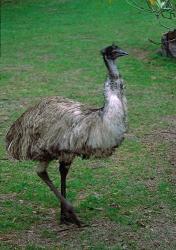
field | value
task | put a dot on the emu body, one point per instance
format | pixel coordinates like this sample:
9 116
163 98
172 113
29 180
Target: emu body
59 128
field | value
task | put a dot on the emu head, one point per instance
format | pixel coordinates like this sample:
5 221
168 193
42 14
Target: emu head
112 52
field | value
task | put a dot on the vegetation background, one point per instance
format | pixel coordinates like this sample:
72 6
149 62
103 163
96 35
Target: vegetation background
52 48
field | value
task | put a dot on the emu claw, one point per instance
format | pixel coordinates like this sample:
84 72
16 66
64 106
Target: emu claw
70 220
69 216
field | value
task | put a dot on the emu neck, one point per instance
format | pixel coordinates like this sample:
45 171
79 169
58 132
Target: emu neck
112 68
113 91
114 84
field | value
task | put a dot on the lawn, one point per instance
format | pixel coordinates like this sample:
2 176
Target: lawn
52 48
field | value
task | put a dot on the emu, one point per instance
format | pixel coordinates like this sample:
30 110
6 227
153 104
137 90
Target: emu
61 129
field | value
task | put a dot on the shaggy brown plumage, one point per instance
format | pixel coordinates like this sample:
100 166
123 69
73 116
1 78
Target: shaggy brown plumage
59 128
56 128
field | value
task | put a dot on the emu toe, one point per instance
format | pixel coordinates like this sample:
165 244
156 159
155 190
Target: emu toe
69 217
64 219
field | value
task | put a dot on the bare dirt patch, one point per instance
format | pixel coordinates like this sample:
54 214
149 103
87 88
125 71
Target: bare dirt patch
159 136
172 156
159 234
140 54
170 119
8 197
32 235
50 233
151 184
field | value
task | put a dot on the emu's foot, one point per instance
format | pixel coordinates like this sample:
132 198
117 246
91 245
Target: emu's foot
68 216
64 219
67 221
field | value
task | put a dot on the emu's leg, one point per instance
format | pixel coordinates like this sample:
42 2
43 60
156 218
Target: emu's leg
63 169
68 208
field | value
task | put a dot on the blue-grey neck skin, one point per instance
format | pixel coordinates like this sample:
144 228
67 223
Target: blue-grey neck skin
112 68
114 83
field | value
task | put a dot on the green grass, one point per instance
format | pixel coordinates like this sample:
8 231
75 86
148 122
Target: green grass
52 48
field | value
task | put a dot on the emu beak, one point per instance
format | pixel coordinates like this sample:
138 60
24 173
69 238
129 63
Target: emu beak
121 52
